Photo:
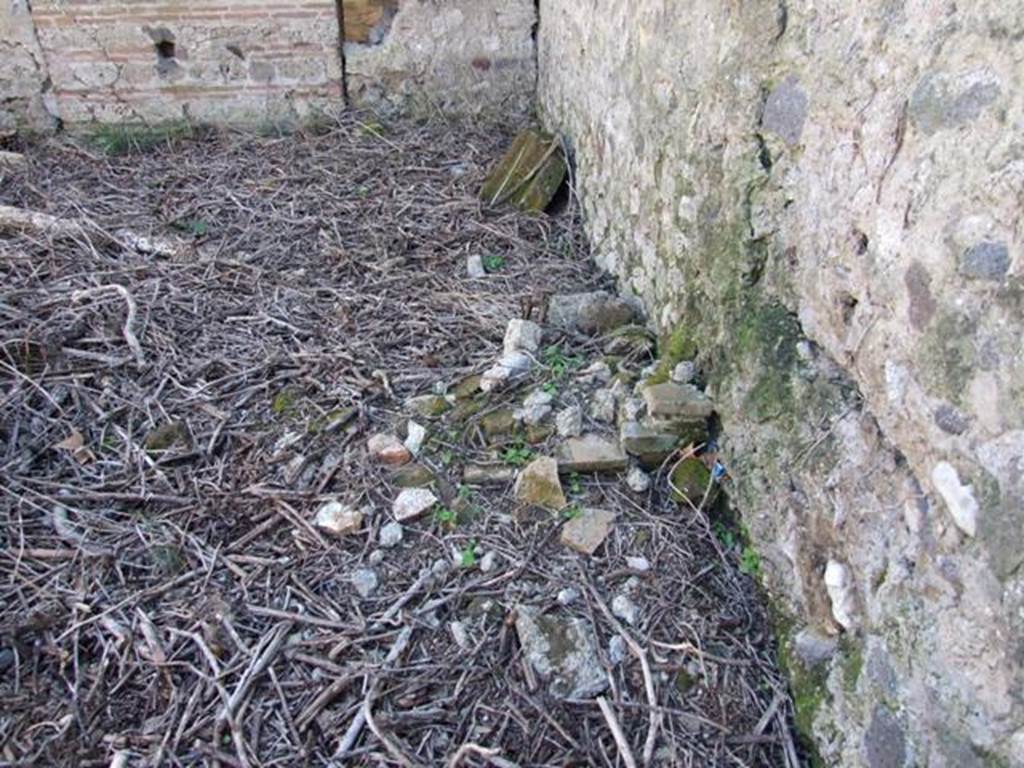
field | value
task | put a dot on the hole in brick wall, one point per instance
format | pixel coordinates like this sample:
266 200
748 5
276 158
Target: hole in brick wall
165 50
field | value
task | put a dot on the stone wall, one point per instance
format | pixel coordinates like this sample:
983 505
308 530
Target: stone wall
24 88
259 61
457 56
822 201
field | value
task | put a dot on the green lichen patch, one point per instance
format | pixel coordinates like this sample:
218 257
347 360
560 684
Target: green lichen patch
690 481
946 357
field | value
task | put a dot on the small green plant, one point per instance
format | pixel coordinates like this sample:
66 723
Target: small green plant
372 128
467 555
138 137
197 227
726 536
447 457
575 484
517 455
572 512
446 517
493 262
750 562
551 387
558 362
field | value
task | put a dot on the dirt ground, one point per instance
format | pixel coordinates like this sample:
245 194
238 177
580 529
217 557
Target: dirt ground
172 421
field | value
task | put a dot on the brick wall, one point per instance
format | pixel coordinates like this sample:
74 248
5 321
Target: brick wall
122 60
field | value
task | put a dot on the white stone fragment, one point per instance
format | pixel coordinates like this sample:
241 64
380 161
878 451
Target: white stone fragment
616 650
535 408
641 564
569 422
960 501
638 480
510 366
624 608
597 372
413 502
488 561
338 519
365 581
684 372
376 557
475 266
522 336
390 535
458 630
568 596
839 586
416 436
602 406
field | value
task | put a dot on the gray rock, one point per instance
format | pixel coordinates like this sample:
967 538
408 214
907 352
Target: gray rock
338 519
459 634
677 402
885 745
412 503
489 561
364 580
641 564
569 422
588 530
684 372
539 485
591 313
814 647
596 373
390 535
535 408
986 261
511 366
950 420
616 650
638 480
475 266
376 557
591 453
785 111
483 474
940 102
633 409
416 435
624 608
522 336
602 406
568 596
562 651
650 444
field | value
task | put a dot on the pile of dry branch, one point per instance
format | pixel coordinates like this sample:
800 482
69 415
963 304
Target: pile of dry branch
194 350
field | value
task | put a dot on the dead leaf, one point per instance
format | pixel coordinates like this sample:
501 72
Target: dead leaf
75 443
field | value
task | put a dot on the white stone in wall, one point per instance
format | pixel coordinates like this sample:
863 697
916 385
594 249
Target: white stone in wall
839 585
959 498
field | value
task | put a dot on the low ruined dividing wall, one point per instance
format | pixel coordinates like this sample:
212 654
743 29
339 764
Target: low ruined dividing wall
464 57
822 201
259 61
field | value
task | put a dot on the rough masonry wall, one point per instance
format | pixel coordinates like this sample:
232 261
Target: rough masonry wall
23 79
824 200
259 61
450 56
